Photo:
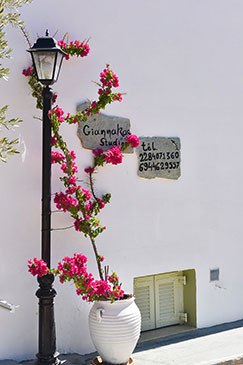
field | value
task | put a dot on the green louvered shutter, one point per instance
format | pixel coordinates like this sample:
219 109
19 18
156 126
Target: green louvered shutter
169 305
144 297
160 300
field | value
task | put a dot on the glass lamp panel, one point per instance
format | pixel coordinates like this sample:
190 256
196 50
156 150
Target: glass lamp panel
44 63
59 59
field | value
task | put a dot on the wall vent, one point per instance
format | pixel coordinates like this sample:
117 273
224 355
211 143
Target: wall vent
214 275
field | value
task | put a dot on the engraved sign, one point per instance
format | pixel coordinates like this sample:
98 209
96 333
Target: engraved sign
103 131
159 157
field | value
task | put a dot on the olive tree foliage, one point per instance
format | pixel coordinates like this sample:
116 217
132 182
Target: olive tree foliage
9 14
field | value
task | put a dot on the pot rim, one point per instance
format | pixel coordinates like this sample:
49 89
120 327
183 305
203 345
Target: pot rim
128 297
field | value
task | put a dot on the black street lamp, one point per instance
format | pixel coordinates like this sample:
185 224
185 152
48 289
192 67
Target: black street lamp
47 59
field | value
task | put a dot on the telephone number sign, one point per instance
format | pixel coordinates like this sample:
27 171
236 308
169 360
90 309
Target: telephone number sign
159 157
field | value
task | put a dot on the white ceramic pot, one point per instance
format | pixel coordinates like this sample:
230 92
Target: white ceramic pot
115 329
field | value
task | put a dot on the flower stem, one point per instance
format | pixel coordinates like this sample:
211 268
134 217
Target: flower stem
92 186
96 254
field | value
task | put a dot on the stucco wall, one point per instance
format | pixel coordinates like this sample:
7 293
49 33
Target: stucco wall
180 63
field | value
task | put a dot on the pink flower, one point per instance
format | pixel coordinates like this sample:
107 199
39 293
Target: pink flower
101 203
74 168
71 180
86 194
85 50
118 97
75 269
56 157
53 140
89 170
98 152
54 98
72 154
59 114
28 72
108 78
115 80
114 155
37 267
64 201
62 44
71 189
133 140
64 167
78 223
72 267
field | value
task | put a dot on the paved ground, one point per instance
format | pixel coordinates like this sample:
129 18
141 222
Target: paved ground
221 345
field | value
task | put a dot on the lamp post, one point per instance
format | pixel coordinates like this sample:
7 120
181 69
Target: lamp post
47 59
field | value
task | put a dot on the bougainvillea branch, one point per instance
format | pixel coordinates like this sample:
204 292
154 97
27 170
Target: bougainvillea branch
83 205
77 48
74 269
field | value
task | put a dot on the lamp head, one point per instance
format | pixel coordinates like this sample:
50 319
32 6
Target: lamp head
47 59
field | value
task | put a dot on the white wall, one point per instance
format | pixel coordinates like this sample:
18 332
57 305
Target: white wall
180 62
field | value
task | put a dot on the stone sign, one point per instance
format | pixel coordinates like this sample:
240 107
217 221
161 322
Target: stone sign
103 131
159 157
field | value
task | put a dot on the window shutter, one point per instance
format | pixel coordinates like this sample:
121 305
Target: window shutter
169 299
144 298
160 300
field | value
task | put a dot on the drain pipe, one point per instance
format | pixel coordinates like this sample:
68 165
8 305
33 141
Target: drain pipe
10 307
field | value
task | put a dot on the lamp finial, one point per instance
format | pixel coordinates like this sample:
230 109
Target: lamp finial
47 33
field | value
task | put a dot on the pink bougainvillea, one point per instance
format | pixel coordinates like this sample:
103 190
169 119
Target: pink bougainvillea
118 97
75 48
37 267
83 205
114 155
108 78
133 140
89 170
75 269
98 152
56 157
28 71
